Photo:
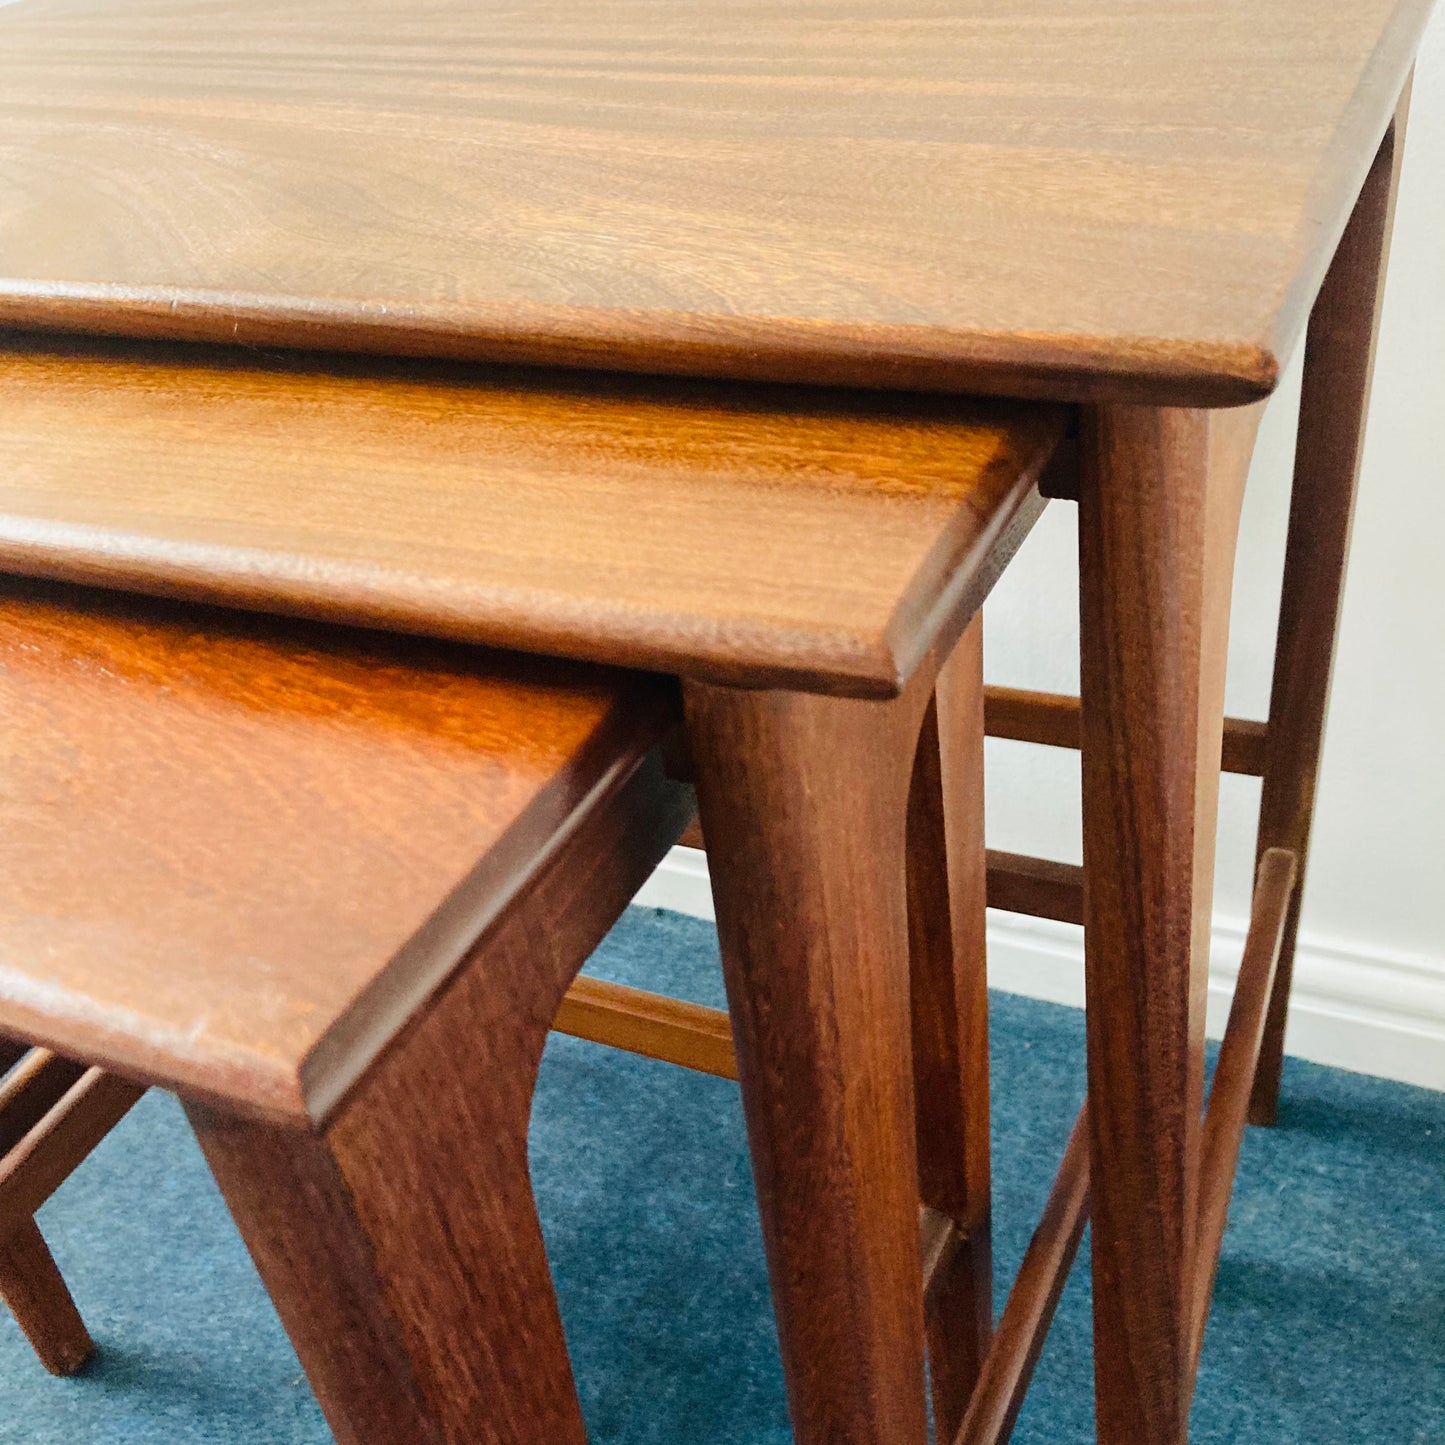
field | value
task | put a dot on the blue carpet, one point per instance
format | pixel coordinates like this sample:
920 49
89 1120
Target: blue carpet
1329 1327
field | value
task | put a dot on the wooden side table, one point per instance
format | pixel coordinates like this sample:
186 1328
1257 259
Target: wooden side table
1132 213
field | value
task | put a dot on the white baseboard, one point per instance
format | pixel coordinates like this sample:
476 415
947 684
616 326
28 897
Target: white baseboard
1352 1007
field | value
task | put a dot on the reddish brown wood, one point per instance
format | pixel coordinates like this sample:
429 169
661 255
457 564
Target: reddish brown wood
31 1285
1017 883
1039 887
47 1156
1052 718
1235 1071
1086 197
228 800
53 1112
686 1034
1026 1318
400 1242
1158 515
38 1082
938 1242
946 913
1334 401
760 536
11 1052
804 801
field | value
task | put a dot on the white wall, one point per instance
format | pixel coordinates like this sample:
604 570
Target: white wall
1370 990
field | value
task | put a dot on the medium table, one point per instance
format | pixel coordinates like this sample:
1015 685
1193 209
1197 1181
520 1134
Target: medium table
1136 213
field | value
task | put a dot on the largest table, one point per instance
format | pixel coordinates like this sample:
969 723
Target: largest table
1135 210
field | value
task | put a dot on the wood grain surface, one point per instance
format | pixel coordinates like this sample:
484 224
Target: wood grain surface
1158 519
401 1243
1085 199
1339 363
805 804
237 853
740 534
32 1287
946 869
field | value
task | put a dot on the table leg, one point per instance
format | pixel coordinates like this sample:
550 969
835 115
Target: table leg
947 898
402 1249
1158 516
399 1238
804 803
32 1287
1334 400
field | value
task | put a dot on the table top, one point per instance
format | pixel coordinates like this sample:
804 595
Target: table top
764 535
237 852
1083 199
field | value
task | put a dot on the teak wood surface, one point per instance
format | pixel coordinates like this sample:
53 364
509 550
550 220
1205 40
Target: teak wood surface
1128 208
238 853
757 535
1081 199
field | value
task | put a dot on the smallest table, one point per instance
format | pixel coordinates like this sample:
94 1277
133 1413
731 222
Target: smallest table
330 888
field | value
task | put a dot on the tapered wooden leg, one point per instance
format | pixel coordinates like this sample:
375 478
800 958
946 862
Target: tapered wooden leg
947 898
1334 400
804 803
398 1237
402 1248
31 1285
1158 515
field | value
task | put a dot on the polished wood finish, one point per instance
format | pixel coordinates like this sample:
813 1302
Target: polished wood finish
1052 718
949 979
485 819
1235 1071
650 1024
1334 399
208 803
400 1242
1158 514
1016 883
1035 196
53 1112
807 843
31 1285
1039 887
60 1142
757 536
1026 1318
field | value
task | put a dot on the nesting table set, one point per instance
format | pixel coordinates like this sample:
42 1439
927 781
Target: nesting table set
436 446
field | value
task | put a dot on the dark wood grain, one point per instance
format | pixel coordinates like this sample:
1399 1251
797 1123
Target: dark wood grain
949 977
1039 887
1017 883
1234 1073
53 1112
401 1243
1334 400
749 535
28 1093
1158 516
804 801
32 1287
1024 1325
60 1142
208 803
658 1027
1050 197
1052 718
